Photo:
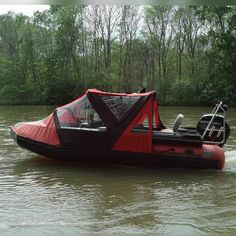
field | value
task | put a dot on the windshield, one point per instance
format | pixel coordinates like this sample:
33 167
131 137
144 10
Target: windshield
79 114
120 105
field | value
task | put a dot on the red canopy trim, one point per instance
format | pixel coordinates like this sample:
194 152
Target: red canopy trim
95 91
91 91
117 94
137 142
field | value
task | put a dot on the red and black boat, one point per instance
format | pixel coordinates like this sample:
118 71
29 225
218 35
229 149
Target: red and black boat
125 129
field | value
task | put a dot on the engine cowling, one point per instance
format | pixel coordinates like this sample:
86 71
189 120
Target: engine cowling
217 132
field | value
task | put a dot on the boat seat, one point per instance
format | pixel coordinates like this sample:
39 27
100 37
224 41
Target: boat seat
176 125
178 122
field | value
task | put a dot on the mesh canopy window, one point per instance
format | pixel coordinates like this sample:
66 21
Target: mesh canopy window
120 105
80 114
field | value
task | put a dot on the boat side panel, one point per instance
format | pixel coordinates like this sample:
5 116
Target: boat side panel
116 158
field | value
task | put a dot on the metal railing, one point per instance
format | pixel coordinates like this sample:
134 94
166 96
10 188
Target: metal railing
211 128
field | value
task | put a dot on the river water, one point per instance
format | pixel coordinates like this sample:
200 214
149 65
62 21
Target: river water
44 197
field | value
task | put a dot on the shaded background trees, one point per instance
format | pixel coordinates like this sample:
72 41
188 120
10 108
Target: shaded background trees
187 53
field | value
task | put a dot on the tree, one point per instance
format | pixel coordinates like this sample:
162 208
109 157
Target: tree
158 22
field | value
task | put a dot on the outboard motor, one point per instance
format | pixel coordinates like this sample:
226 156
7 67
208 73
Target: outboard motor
213 127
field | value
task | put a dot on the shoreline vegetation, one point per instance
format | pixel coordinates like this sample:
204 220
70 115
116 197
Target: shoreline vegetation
186 53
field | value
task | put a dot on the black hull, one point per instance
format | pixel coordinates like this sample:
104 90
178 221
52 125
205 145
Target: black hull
114 158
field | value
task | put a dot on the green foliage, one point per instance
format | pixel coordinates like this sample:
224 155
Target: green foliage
183 92
60 91
186 53
9 94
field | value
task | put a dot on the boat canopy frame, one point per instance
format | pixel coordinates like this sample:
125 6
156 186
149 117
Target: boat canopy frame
117 130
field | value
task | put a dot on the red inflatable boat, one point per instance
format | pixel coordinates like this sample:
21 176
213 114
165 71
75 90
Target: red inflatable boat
125 129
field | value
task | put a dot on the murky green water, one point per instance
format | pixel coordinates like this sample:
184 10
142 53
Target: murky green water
44 197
